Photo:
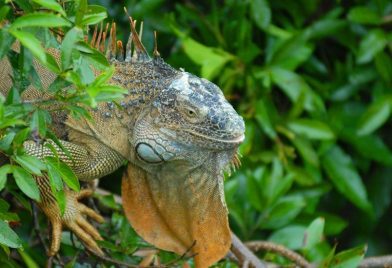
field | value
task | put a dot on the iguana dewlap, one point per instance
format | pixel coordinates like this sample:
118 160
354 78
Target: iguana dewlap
178 133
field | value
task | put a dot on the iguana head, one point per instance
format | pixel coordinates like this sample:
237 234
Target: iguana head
198 113
190 116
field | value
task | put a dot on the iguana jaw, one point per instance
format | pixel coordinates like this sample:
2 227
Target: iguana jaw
229 142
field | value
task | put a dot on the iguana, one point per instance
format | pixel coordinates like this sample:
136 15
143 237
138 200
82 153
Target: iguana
177 132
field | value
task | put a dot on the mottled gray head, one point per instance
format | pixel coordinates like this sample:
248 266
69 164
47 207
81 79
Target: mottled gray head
189 118
199 113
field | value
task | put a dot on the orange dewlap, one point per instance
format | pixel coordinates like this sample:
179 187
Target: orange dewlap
206 224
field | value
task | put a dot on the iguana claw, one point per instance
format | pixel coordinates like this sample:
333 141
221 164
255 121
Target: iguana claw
74 220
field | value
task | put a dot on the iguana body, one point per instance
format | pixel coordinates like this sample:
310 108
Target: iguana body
178 133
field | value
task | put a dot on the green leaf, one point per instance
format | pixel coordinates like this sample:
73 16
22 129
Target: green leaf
334 224
261 13
314 234
374 42
55 178
6 41
30 163
311 129
61 200
349 258
293 86
370 146
3 12
253 188
275 184
291 53
8 237
324 28
364 15
65 172
384 66
51 63
39 19
38 122
32 43
4 170
291 236
81 10
27 259
306 150
52 5
376 115
94 15
345 177
67 46
26 182
210 59
283 212
263 118
95 57
103 77
21 136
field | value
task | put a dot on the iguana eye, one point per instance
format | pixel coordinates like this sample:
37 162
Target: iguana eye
191 113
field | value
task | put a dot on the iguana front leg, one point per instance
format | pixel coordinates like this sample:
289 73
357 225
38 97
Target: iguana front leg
88 162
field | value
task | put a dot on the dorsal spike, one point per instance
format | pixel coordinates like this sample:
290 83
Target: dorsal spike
112 44
120 51
140 31
134 52
87 33
94 39
108 52
103 44
156 52
139 48
97 44
128 49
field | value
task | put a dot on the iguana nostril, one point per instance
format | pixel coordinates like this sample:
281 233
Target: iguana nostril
147 153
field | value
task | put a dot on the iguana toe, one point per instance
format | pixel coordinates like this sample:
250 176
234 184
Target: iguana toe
74 220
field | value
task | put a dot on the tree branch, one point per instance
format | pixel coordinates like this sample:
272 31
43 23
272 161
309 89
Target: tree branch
380 261
245 257
279 249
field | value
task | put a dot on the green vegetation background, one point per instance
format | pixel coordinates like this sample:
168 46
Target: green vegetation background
313 80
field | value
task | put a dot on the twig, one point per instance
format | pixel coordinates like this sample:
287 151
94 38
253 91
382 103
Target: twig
380 261
112 261
37 230
183 256
281 250
36 227
124 264
245 257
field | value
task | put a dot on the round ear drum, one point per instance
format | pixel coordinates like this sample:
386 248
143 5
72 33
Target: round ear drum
148 154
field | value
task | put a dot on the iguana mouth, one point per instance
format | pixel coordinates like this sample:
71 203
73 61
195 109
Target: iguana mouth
237 140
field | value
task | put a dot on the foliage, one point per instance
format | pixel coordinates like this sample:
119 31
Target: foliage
311 78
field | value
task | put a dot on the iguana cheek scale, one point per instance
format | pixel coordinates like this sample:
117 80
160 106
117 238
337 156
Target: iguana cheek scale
178 133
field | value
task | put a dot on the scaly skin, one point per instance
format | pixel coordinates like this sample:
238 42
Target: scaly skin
179 135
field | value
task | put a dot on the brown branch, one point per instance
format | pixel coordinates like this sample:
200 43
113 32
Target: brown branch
37 231
380 261
245 257
279 249
112 261
387 19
